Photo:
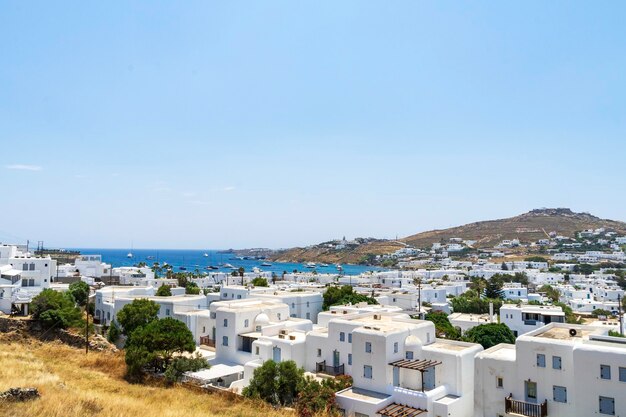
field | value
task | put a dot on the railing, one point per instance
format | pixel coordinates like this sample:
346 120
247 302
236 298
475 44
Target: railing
206 340
530 322
524 408
329 370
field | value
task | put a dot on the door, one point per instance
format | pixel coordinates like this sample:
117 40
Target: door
396 376
429 378
530 391
276 354
336 358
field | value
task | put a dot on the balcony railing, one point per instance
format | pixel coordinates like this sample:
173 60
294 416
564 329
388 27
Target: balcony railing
524 408
329 370
207 341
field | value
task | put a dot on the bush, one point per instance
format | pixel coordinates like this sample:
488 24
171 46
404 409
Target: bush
443 327
259 282
489 335
164 291
600 312
277 384
180 365
113 333
344 295
136 314
80 291
55 309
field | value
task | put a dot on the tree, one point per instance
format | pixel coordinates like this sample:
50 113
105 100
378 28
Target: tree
535 259
183 364
241 271
494 289
192 288
470 302
318 398
164 291
443 327
55 309
156 343
80 292
490 334
259 282
113 333
504 266
600 312
585 269
138 313
277 384
552 293
344 295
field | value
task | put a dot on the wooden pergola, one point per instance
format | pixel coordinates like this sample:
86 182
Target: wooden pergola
416 365
399 410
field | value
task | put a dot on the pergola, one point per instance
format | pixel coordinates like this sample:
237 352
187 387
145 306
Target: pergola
399 410
416 365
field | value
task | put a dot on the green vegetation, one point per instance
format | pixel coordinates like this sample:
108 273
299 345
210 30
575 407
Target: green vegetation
344 295
317 399
192 288
443 327
583 269
570 317
615 334
471 302
600 312
277 384
55 309
80 291
164 291
535 259
138 313
180 365
493 290
113 332
490 334
259 282
155 344
552 293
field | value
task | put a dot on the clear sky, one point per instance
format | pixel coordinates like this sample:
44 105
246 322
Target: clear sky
279 123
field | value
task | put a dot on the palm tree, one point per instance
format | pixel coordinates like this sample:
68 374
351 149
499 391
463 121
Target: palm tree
241 272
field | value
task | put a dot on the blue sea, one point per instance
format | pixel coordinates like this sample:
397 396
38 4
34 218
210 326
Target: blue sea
195 259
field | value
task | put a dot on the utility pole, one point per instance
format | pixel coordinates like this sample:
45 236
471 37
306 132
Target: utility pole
621 317
87 327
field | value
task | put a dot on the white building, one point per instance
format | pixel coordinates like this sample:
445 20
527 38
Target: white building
557 370
524 318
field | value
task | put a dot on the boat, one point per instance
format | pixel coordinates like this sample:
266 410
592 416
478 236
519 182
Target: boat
227 265
309 265
211 267
256 270
129 255
266 264
182 268
206 255
323 265
339 267
150 257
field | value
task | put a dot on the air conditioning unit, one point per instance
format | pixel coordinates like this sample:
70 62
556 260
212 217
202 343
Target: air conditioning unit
283 332
281 336
292 337
376 316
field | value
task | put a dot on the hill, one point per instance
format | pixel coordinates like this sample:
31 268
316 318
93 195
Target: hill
527 227
352 254
73 384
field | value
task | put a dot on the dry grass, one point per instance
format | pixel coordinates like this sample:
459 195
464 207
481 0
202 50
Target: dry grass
73 384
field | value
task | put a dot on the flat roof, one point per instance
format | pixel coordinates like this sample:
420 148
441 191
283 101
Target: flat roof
371 397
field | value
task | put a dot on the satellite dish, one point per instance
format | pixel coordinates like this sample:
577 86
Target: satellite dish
572 332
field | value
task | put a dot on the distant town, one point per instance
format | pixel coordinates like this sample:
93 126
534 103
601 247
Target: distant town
447 330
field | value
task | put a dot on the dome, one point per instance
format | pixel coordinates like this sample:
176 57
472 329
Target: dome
261 319
413 343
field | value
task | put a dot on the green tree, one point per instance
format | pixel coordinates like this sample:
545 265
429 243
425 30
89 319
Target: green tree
55 309
156 343
80 291
259 282
277 384
584 269
183 364
552 293
490 334
113 333
504 266
192 288
443 327
164 291
138 313
600 312
344 295
318 398
493 290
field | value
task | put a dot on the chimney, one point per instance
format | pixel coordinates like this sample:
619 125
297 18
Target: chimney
490 312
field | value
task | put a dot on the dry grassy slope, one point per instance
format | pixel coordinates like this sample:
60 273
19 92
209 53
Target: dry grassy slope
73 384
352 256
527 227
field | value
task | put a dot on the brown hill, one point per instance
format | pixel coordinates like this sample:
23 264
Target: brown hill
527 227
353 255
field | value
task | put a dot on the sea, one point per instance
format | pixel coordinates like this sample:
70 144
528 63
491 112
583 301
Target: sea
196 259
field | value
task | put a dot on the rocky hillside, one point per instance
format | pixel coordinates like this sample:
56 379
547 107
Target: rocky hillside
349 255
527 227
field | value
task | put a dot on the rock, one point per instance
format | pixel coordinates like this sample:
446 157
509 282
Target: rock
19 394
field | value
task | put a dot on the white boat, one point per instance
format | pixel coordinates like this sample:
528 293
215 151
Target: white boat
228 266
206 255
310 265
256 270
129 255
339 267
266 264
323 265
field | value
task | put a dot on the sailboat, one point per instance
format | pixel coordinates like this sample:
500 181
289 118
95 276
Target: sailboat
130 254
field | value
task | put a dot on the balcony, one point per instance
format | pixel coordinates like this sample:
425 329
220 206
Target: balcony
524 408
321 367
207 341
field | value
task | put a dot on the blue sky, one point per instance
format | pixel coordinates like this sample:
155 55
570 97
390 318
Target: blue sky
279 123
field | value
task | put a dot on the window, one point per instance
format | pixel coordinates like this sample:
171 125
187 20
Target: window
307 304
559 394
246 323
167 311
257 328
622 374
225 340
225 322
395 347
349 358
409 355
499 382
342 336
368 347
367 371
556 362
319 352
256 350
239 296
293 305
225 295
308 316
605 372
428 337
32 267
278 315
24 267
203 329
349 337
607 406
541 360
213 315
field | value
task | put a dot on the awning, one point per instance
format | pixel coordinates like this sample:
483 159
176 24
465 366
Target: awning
216 371
11 272
399 410
415 364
